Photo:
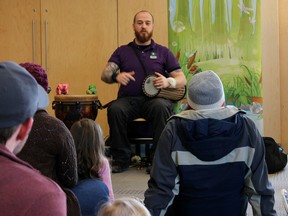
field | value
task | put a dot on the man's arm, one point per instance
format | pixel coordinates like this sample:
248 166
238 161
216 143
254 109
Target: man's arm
109 73
179 76
177 79
258 187
163 182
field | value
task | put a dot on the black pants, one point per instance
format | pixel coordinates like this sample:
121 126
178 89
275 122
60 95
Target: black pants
126 109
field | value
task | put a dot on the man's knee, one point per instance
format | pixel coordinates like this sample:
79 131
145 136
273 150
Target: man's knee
115 109
161 107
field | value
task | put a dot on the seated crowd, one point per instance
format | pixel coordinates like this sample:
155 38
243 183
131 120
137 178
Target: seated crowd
209 158
57 171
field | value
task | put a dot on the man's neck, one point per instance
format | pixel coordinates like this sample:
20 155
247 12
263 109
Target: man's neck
142 44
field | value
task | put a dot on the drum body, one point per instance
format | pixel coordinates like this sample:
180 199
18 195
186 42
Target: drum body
71 108
174 94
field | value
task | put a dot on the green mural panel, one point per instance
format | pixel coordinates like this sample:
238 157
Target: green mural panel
223 36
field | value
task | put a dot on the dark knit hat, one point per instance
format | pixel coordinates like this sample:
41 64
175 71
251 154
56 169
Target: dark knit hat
205 91
38 73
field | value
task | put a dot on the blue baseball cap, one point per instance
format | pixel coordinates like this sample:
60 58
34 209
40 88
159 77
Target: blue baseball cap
20 95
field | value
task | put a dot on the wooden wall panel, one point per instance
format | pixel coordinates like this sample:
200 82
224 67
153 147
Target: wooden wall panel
283 36
19 24
270 69
80 38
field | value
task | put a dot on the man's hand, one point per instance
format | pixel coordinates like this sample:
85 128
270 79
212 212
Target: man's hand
125 77
160 81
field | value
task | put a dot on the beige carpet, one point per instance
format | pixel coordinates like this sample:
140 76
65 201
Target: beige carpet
134 183
130 183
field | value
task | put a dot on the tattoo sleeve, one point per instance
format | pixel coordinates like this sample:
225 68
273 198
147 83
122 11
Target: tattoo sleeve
110 69
177 70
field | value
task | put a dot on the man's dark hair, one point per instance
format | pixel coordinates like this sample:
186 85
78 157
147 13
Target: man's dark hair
6 133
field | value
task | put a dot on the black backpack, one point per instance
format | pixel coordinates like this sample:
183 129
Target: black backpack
275 156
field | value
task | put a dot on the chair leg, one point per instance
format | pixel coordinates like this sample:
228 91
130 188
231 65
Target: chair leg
138 149
147 151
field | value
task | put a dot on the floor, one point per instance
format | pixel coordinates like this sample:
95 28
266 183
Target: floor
130 183
133 183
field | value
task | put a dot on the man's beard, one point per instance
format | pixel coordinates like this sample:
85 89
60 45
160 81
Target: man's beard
143 37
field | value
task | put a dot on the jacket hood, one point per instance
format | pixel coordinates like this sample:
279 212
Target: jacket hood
210 134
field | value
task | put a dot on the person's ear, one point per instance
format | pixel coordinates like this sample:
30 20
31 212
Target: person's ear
25 129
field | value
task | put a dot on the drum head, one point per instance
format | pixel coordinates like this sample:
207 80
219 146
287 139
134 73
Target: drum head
75 98
148 87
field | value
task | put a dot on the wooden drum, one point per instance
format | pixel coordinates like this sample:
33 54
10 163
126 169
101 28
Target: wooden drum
71 108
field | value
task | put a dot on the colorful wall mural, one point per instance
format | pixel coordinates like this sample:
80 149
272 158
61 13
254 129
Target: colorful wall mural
223 36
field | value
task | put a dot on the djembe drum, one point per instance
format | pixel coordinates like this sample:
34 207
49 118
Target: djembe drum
71 108
174 94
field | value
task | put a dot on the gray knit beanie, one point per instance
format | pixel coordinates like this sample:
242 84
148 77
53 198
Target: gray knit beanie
205 91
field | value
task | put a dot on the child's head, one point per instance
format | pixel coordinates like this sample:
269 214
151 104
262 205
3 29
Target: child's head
125 206
90 147
205 91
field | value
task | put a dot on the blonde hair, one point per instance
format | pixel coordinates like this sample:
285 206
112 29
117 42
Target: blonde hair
125 206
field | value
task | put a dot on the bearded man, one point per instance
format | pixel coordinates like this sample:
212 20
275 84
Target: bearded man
128 66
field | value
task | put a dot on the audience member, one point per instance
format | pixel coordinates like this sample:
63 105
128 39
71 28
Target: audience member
50 147
125 68
23 190
126 206
92 163
209 160
91 195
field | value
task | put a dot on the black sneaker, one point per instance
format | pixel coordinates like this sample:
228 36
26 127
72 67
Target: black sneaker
119 168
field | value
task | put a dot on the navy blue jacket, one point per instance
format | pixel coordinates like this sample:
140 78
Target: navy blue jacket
210 162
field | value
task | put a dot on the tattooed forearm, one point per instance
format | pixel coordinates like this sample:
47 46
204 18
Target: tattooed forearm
179 76
177 70
110 69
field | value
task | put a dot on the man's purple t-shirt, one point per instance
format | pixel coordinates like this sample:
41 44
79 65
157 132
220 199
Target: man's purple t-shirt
156 58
